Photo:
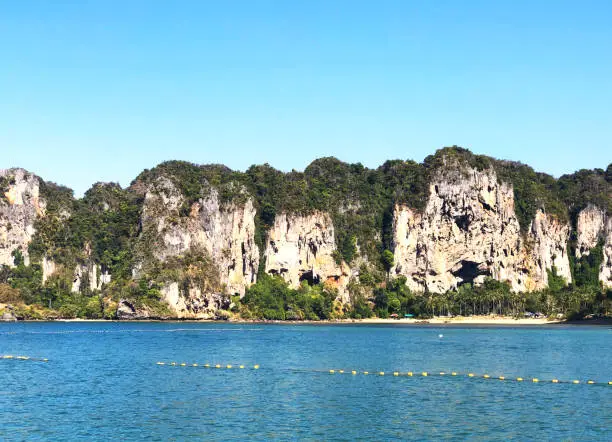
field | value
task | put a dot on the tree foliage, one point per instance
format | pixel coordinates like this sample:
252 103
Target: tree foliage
271 298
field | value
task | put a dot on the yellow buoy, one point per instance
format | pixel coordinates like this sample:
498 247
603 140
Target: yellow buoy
442 373
471 375
332 371
502 378
218 366
454 373
353 372
365 372
486 376
173 363
183 364
519 379
575 382
194 365
206 365
8 357
424 373
409 373
535 380
610 383
45 360
160 363
382 373
229 366
256 367
242 366
395 373
555 381
340 371
590 382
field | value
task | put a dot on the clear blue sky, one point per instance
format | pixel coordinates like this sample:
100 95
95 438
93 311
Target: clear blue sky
99 90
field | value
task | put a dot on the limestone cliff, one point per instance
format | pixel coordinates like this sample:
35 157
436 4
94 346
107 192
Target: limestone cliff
195 303
92 275
589 228
592 227
545 248
224 231
20 204
49 268
605 276
301 248
469 231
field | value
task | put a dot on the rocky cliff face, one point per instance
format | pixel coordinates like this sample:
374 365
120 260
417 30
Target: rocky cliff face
195 303
224 231
49 268
589 228
605 276
592 227
20 204
91 274
469 231
301 248
545 248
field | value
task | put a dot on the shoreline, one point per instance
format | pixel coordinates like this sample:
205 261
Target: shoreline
438 320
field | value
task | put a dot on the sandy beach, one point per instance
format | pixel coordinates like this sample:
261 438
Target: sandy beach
442 320
476 320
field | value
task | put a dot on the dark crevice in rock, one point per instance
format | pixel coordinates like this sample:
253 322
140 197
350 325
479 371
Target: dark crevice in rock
462 221
313 248
244 259
470 270
310 278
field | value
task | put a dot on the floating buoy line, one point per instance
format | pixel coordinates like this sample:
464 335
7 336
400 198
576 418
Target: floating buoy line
406 374
23 358
208 365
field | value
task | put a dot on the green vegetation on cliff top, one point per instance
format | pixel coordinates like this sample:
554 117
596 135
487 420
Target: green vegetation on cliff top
104 225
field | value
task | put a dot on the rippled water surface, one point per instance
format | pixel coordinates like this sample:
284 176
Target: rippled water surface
102 382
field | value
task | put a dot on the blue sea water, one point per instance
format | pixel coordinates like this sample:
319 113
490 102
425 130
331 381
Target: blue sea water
101 382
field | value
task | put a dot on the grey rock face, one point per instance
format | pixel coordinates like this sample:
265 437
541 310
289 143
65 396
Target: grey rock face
469 231
126 310
301 247
20 204
9 314
225 231
195 303
593 226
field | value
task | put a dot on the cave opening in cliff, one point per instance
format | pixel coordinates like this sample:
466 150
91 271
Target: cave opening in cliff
463 222
468 271
310 278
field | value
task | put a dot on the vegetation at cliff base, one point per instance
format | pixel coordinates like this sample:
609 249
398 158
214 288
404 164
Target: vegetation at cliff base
271 298
105 233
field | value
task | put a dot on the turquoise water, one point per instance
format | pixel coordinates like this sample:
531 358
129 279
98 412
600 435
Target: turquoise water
102 382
